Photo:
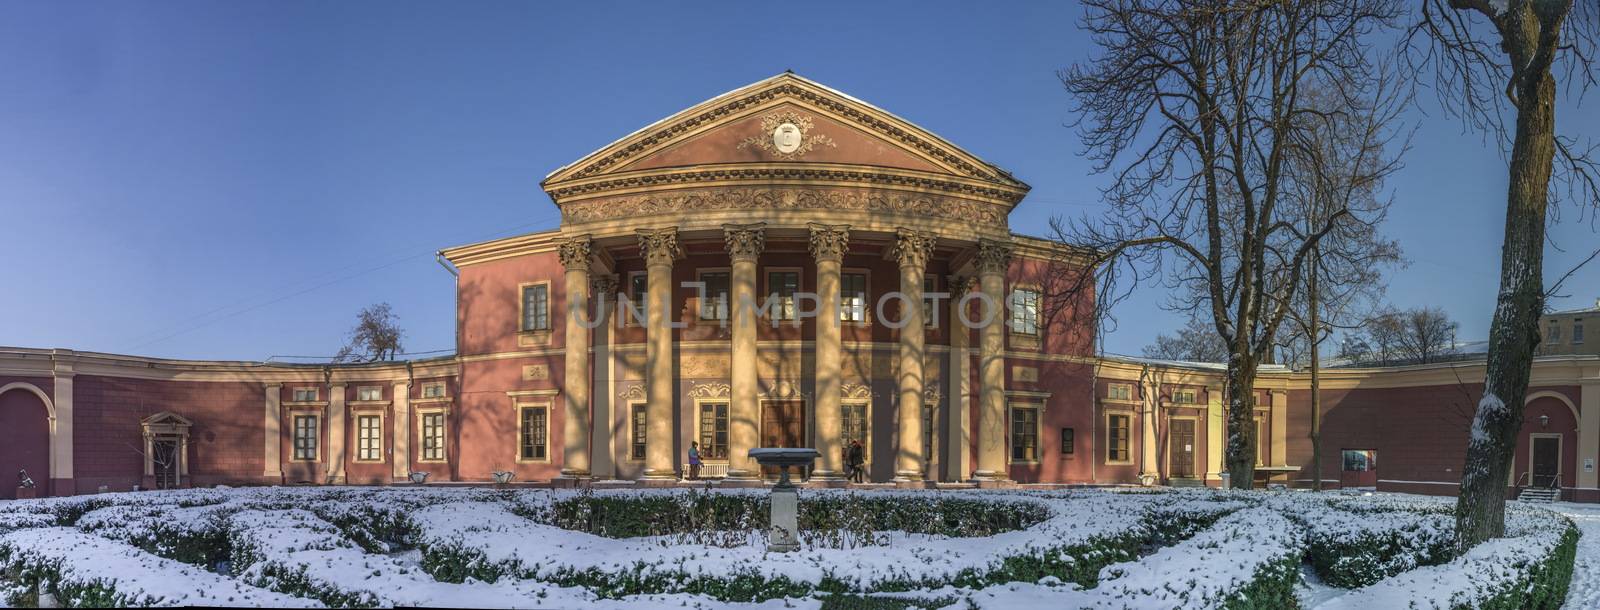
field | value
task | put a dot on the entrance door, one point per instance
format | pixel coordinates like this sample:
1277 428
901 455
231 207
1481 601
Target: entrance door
783 424
165 460
1546 461
1180 452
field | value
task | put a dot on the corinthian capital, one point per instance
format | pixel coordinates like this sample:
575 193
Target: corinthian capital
960 285
745 242
575 251
913 248
659 246
605 284
828 242
993 256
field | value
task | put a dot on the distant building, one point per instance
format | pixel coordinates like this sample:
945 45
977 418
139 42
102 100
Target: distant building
1563 331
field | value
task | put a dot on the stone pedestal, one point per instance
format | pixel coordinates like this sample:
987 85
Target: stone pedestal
785 532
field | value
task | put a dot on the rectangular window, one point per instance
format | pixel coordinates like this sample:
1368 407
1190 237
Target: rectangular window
536 307
1555 334
433 390
1359 460
369 392
1119 391
305 438
853 423
1577 332
853 297
633 312
1025 311
305 394
1024 434
1185 397
928 285
1067 441
1117 431
1260 434
637 450
714 298
714 431
433 436
533 433
369 438
782 285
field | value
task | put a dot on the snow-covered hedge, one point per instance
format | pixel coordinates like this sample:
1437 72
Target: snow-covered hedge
1355 549
1528 568
85 570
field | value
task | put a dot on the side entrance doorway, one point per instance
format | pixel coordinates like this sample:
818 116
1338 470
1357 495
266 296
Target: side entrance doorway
1360 468
1180 452
783 424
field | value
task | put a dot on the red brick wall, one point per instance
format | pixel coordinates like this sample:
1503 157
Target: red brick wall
224 444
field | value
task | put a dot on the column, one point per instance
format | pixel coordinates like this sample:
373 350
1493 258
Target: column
993 259
336 436
1150 407
574 254
745 243
1216 424
828 244
1280 429
603 464
1588 435
911 251
400 458
660 248
272 437
62 470
959 420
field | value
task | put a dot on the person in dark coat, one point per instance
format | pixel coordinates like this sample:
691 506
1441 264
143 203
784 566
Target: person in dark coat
855 459
694 461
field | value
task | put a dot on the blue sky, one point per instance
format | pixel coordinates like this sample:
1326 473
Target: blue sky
237 179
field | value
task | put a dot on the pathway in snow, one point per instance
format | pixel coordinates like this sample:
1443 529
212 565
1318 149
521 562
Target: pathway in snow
1585 590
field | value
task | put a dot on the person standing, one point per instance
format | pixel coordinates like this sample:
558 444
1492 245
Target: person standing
694 460
856 459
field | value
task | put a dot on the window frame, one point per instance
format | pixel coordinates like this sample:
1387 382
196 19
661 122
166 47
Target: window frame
641 302
1126 438
360 390
444 390
524 406
1111 391
1036 433
930 283
638 431
700 431
1176 392
727 305
1069 441
294 394
866 297
422 435
361 439
522 306
1012 322
1577 331
866 428
777 308
315 440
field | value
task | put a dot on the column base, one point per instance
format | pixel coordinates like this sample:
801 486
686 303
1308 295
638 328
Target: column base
659 475
900 483
575 473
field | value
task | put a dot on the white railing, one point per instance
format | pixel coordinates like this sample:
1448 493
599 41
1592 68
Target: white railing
709 470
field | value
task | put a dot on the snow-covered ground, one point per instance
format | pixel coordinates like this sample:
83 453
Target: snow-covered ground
455 547
1585 591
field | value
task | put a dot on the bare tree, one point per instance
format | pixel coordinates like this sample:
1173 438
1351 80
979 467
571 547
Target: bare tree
1427 334
376 336
1197 341
1495 64
1193 108
1341 164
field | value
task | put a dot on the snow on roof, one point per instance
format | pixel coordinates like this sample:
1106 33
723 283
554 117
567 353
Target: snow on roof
1205 366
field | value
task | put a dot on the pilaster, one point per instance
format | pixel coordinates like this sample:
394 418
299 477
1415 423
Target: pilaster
62 468
336 434
400 458
958 424
272 437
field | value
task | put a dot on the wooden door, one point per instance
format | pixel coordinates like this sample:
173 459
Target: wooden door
1546 461
1180 452
783 424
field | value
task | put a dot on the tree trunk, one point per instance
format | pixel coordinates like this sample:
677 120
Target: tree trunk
1241 429
1514 332
1314 337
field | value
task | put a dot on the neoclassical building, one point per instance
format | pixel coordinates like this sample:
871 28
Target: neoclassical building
781 265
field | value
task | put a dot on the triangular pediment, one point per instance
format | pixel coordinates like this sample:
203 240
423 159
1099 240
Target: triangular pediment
785 119
167 418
